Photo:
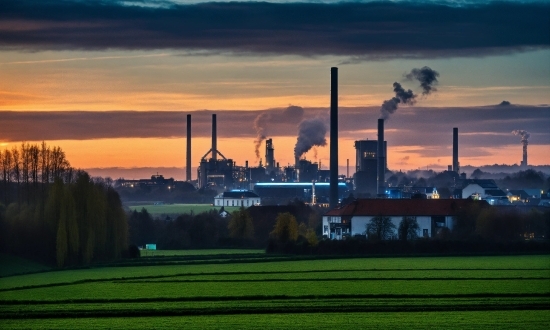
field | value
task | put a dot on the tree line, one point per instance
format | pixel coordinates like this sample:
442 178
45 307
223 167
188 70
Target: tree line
252 227
25 169
55 214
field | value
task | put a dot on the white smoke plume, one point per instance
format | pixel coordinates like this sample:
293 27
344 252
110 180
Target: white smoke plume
524 135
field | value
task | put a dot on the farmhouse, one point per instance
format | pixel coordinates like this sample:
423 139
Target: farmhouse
482 189
237 198
430 214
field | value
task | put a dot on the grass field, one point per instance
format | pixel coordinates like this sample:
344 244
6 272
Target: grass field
13 265
173 209
206 252
248 289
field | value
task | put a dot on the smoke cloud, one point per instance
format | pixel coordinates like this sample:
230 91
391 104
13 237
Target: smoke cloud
401 96
260 124
311 132
524 135
291 114
426 76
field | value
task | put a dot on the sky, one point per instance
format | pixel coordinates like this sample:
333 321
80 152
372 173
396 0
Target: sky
111 82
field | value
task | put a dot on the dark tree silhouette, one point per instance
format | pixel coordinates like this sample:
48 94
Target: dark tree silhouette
380 228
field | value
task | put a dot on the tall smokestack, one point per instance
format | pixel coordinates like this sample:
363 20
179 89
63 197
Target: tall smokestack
381 158
524 162
269 155
188 159
455 149
214 138
525 141
333 201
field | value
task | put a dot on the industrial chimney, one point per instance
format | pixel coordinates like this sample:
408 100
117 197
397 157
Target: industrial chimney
333 200
269 155
214 139
455 149
381 159
524 162
188 159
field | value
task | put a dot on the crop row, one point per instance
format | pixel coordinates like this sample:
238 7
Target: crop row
360 264
131 290
537 319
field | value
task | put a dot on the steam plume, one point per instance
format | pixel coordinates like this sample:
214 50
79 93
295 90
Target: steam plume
311 132
292 114
426 76
260 124
524 135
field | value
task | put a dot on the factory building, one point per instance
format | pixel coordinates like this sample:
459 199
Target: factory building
282 192
366 166
237 198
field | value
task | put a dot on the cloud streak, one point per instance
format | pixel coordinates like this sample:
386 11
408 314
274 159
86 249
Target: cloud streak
489 125
357 29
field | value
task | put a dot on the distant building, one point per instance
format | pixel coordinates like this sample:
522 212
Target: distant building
366 166
431 214
237 198
283 192
482 189
155 181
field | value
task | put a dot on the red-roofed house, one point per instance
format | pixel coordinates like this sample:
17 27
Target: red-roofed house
431 215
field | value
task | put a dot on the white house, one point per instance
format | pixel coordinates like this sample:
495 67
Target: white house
237 198
430 214
480 189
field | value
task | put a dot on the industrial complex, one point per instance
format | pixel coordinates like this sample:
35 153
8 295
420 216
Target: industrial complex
305 180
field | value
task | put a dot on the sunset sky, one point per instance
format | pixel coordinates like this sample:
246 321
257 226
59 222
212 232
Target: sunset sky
112 81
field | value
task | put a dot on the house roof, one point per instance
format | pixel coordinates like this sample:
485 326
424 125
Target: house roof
495 192
237 194
403 207
483 183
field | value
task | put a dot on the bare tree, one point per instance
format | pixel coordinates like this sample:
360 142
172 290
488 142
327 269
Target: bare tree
45 163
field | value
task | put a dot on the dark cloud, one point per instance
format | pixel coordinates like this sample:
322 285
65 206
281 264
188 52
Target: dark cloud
360 30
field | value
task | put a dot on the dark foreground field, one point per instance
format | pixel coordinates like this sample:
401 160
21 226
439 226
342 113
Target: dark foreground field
252 290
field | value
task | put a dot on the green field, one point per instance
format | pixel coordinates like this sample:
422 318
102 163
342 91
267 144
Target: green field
205 252
176 209
247 289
